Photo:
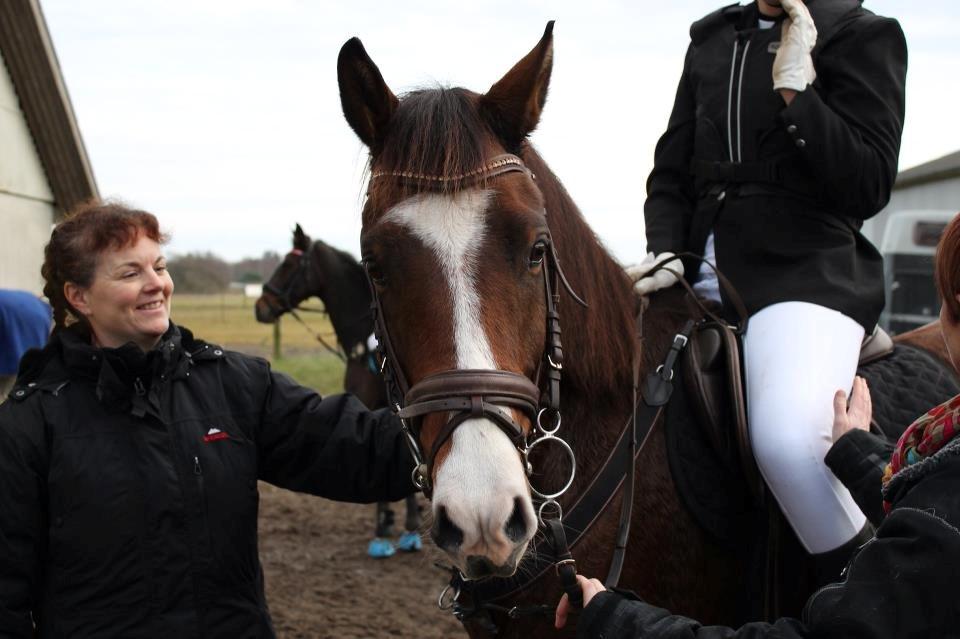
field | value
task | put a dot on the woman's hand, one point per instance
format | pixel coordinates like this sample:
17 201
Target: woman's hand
859 413
590 587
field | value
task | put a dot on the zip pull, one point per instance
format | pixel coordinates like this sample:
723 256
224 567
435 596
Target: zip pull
196 466
138 387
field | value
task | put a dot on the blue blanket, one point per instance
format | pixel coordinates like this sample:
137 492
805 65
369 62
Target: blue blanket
24 324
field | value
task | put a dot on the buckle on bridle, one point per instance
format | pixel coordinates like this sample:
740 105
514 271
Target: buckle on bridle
564 562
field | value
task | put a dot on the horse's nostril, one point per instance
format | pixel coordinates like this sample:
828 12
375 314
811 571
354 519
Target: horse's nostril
445 533
516 526
479 567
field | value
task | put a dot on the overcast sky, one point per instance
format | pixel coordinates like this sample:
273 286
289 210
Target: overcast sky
223 117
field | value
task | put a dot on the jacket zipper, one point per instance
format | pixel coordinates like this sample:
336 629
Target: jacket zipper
739 59
733 71
138 387
201 489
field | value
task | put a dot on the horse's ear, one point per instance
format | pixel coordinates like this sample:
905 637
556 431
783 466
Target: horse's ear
301 240
512 106
368 103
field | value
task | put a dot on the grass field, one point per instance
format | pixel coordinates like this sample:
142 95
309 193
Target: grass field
228 320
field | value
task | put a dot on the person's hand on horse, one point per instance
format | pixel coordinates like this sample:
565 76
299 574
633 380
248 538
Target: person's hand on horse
793 65
857 415
590 587
664 277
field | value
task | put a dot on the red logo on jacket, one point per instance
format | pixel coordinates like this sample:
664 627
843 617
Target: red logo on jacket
215 434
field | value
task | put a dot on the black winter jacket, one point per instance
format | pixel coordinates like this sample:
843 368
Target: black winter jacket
784 189
128 485
901 585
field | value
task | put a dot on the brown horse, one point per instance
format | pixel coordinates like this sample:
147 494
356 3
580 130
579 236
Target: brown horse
456 235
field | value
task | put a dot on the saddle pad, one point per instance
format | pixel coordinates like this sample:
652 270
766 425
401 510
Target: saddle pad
905 385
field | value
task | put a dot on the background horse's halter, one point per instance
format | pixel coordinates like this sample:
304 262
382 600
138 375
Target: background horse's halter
467 393
302 271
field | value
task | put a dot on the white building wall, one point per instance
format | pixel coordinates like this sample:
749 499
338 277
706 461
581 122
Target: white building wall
941 196
26 201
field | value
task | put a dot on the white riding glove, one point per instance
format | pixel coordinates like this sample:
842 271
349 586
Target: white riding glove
793 66
667 276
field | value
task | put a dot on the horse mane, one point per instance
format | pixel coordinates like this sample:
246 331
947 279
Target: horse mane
600 344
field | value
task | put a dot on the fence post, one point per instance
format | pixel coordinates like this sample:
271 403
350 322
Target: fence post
277 351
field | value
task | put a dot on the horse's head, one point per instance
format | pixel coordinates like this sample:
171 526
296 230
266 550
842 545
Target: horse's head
291 283
456 243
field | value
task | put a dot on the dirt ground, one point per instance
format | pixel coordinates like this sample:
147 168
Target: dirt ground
321 583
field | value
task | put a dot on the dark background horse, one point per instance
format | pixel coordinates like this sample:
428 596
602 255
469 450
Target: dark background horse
315 269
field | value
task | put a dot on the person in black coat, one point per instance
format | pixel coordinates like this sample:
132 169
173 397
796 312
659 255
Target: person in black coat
130 452
783 139
901 584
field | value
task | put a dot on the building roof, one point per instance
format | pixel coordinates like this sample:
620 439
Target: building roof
942 168
32 64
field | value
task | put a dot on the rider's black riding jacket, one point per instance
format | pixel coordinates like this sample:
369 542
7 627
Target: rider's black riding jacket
784 189
128 485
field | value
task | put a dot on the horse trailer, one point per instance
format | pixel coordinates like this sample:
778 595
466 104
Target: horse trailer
908 247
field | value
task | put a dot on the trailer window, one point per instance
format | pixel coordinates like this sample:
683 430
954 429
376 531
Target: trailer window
928 233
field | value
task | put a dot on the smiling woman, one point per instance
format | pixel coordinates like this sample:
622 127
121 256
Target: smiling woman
104 268
130 452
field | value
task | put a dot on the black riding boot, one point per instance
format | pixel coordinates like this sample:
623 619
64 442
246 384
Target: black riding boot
829 567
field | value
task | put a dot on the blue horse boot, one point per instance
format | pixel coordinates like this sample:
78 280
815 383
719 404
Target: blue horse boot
380 548
409 542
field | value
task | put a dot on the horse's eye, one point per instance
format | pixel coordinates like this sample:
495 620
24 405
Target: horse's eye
537 253
374 273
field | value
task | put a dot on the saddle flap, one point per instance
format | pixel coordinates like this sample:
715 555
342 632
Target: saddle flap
713 377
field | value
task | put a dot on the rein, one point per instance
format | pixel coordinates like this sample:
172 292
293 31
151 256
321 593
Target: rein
492 394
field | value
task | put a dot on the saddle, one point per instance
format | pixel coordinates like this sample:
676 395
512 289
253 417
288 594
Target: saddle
713 376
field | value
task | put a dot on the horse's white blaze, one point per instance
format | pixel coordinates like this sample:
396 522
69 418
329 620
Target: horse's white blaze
482 474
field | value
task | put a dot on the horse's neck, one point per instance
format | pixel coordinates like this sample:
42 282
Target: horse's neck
599 342
346 297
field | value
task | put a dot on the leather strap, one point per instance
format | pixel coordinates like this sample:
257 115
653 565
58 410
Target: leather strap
565 564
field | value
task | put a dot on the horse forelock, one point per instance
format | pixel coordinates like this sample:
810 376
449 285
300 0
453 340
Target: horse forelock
435 132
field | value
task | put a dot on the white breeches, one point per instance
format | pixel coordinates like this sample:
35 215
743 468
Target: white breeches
796 356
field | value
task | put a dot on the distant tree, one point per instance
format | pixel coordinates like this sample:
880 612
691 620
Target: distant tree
199 273
263 267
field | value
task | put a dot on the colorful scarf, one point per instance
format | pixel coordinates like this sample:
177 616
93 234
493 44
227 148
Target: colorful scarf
922 439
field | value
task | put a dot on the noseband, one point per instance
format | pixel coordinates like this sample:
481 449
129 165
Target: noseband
470 393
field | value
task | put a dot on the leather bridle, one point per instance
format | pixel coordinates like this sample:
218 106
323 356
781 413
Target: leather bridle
470 393
283 295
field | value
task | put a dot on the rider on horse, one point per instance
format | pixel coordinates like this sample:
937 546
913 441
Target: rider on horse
771 182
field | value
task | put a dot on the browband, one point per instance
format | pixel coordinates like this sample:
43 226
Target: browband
506 163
